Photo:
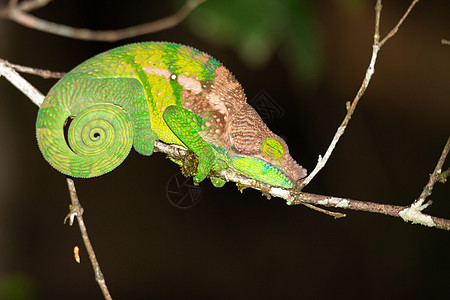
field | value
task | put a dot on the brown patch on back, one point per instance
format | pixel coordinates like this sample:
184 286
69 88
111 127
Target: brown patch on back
217 103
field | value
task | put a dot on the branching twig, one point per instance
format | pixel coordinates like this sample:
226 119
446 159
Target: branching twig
77 210
414 211
335 214
17 14
385 209
400 22
370 71
23 6
437 174
33 4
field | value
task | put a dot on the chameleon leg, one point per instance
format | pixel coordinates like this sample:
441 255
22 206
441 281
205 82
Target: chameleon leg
186 126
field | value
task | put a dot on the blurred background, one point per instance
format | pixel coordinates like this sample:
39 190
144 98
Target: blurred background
309 57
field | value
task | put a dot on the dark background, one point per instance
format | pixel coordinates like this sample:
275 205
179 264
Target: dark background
232 244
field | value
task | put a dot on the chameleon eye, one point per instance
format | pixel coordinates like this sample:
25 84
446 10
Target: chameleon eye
272 148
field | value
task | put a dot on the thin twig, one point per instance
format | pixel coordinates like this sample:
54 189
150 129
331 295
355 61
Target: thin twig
385 209
78 211
395 29
39 72
33 4
23 6
369 73
335 214
376 36
436 175
31 21
414 211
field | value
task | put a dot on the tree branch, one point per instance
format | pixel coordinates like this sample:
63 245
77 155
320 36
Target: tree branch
400 22
17 14
385 209
77 210
414 211
23 6
38 72
437 174
20 83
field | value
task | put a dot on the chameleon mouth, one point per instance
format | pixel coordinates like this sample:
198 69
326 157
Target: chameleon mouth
291 170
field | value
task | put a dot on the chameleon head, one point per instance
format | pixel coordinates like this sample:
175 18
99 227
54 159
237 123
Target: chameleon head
259 153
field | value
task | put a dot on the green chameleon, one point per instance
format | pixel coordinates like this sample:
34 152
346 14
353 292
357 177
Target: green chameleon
138 93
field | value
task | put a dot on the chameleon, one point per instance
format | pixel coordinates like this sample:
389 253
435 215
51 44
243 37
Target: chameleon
138 93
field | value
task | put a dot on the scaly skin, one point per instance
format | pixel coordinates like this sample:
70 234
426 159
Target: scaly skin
139 93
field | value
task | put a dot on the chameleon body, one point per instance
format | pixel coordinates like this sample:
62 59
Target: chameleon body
138 93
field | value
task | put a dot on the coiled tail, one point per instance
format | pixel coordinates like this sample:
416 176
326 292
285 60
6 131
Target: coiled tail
86 126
